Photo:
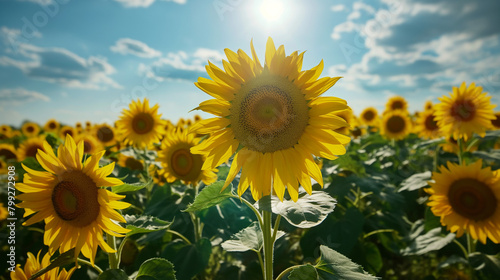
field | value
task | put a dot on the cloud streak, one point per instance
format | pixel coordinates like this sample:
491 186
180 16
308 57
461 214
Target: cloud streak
130 46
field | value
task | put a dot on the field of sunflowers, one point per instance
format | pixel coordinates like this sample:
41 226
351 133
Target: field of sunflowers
325 191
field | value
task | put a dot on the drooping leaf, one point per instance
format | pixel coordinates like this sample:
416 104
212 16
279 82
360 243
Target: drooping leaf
157 269
416 181
145 224
489 265
131 187
210 196
249 238
431 241
334 266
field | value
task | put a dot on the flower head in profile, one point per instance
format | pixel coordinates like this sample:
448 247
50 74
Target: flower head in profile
272 118
467 197
70 198
466 111
33 265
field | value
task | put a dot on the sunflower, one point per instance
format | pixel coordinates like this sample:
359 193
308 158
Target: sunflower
275 115
347 116
70 198
51 126
67 130
157 174
197 118
468 110
426 125
33 265
179 163
5 129
30 147
357 130
396 103
496 122
105 134
369 116
428 105
396 125
466 197
30 129
130 162
88 126
141 125
8 152
90 143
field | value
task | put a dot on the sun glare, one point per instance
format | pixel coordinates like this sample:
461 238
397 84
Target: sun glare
271 10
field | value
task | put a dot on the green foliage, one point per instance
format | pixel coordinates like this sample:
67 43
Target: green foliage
156 269
145 224
210 196
335 266
132 187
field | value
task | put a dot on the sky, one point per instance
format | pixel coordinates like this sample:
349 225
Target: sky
77 61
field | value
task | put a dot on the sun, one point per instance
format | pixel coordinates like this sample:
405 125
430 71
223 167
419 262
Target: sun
271 10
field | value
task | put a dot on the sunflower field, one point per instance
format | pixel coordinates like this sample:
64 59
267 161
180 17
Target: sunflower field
281 183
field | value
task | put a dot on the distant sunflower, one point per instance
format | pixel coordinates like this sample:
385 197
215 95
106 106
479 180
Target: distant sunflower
105 134
67 130
468 110
275 115
369 116
396 125
428 105
71 199
51 126
426 125
30 129
346 115
90 143
197 118
467 200
179 163
30 147
496 122
141 125
396 103
78 127
8 152
5 130
33 265
130 162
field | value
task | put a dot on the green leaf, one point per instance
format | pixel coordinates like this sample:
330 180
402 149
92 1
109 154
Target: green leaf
373 259
249 238
489 265
156 268
493 155
131 187
431 221
307 212
61 260
144 224
303 272
416 181
431 241
334 266
188 259
210 196
113 274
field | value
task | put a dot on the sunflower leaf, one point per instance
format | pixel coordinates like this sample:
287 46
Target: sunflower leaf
489 265
431 241
156 268
210 196
113 274
416 181
249 238
334 266
145 224
307 212
131 187
303 272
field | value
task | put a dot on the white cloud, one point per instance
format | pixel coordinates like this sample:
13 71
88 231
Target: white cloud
145 3
338 8
131 46
18 96
58 65
39 2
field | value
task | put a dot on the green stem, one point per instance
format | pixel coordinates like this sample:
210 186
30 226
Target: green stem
461 248
82 261
436 158
471 245
460 151
276 225
120 249
113 259
198 227
257 214
268 245
284 272
261 264
179 235
377 231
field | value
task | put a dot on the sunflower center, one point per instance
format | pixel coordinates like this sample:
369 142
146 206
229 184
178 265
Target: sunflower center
395 124
75 199
472 199
7 154
496 122
68 131
269 113
182 162
430 123
133 164
463 110
30 129
369 115
52 125
397 105
143 123
105 134
87 147
32 150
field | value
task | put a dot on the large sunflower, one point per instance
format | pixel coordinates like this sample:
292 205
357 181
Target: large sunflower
369 116
33 265
466 111
396 125
396 103
275 115
30 129
8 152
179 163
467 200
30 147
52 125
141 125
426 125
71 199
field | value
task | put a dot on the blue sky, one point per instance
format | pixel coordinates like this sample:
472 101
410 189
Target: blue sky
76 60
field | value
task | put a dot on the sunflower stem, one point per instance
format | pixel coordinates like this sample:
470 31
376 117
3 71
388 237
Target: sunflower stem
460 151
284 272
198 227
113 259
120 249
256 212
436 158
85 262
268 245
461 248
179 235
471 245
276 225
261 264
